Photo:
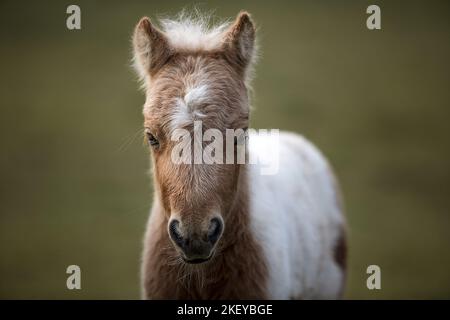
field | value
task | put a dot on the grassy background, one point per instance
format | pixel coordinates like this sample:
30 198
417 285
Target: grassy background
74 183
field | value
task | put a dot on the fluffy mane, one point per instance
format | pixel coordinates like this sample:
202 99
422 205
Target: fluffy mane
194 31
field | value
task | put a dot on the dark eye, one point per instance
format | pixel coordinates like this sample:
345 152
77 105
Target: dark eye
152 140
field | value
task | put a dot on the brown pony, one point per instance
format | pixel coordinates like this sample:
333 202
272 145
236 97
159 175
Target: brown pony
225 230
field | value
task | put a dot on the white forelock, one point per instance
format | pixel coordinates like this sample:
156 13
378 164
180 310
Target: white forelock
194 32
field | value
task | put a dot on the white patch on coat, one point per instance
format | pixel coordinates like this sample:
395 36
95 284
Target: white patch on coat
196 96
186 111
295 216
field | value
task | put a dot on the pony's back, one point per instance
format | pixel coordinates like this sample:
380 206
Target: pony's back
296 214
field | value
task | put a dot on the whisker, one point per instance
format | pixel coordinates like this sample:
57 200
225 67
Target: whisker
129 140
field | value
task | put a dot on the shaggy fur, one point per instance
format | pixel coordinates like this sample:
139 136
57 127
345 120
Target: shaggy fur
192 71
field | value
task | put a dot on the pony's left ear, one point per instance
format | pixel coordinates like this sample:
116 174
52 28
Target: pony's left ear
239 42
151 48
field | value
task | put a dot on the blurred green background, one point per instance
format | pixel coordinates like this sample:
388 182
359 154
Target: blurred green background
73 168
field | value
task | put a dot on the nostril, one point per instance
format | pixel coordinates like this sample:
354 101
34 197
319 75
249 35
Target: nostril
174 232
215 230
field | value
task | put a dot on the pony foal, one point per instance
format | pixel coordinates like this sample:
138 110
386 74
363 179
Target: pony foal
225 231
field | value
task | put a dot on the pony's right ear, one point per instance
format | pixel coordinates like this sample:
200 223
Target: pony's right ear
239 41
151 48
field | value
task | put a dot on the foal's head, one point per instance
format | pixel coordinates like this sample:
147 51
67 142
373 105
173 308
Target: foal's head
194 73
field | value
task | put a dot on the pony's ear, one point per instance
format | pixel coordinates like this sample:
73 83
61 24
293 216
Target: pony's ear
239 43
151 48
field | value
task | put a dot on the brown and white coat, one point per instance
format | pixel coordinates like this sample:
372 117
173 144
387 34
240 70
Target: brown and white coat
283 234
